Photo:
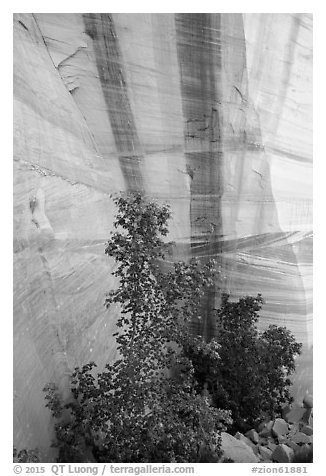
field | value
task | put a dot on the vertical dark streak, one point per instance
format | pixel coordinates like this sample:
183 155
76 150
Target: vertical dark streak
100 27
199 53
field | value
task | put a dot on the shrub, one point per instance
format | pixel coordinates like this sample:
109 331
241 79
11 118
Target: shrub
146 406
251 377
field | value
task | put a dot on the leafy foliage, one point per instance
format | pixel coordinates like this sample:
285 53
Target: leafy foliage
25 456
146 406
251 377
54 401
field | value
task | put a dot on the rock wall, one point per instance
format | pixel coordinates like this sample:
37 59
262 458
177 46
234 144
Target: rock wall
208 112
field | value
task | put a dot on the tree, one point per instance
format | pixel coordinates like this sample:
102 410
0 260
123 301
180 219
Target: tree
146 406
278 351
251 377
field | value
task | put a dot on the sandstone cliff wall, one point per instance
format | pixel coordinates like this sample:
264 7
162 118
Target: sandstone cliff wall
208 112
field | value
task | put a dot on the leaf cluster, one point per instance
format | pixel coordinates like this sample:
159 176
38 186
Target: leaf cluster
252 376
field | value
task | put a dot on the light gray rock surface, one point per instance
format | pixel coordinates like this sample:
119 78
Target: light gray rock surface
237 450
265 453
283 454
247 441
308 430
252 435
280 428
295 414
301 438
